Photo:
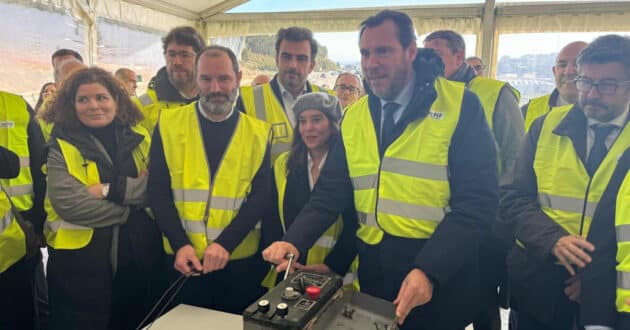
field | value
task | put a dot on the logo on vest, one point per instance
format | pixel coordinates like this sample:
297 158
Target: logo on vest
7 124
436 115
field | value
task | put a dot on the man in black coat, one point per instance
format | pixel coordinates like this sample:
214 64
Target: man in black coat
434 281
566 162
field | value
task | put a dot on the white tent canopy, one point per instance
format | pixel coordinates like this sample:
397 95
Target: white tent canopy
486 19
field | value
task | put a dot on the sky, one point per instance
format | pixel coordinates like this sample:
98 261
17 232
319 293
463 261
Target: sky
343 46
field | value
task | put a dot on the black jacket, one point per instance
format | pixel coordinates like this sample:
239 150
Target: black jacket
165 91
536 280
9 164
297 195
37 158
599 278
472 178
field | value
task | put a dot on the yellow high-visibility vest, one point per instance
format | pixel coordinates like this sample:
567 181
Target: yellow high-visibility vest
62 234
488 91
622 227
260 102
537 107
12 238
14 118
207 207
566 192
321 249
405 194
151 108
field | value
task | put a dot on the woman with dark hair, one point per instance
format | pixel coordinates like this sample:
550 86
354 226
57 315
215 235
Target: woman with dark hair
46 94
296 173
105 250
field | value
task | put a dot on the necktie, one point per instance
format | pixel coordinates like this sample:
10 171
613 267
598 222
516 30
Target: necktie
387 131
598 150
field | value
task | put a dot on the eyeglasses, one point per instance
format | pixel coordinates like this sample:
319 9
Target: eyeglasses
347 88
604 87
182 53
479 67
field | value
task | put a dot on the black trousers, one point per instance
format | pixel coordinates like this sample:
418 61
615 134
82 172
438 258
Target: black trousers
229 290
17 301
561 321
493 274
384 266
85 294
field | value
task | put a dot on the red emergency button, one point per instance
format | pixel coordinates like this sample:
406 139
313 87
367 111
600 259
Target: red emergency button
313 292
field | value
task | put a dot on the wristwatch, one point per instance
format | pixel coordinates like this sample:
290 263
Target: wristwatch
105 190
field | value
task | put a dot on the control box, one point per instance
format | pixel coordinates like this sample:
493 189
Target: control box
294 302
316 301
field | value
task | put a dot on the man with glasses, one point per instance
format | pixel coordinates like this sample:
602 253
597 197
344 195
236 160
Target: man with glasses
561 172
564 72
348 88
477 64
296 49
174 85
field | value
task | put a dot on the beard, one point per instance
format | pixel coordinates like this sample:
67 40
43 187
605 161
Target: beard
179 82
216 107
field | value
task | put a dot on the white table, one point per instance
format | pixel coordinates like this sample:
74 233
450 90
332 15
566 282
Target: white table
186 317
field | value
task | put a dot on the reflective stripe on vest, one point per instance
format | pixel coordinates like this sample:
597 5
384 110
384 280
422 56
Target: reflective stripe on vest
261 102
151 108
622 227
407 193
572 203
567 204
204 207
64 235
12 238
14 119
537 107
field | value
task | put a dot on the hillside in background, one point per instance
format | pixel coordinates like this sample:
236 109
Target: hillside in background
259 55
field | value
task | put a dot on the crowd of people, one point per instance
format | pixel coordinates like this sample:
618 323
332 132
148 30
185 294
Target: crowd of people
420 182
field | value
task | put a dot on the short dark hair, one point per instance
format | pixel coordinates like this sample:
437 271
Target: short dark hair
63 111
406 32
297 34
184 35
65 52
214 50
606 49
454 41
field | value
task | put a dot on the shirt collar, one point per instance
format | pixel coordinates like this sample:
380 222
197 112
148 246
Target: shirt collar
405 95
286 93
618 122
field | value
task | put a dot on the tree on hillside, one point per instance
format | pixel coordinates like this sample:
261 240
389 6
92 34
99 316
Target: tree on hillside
260 51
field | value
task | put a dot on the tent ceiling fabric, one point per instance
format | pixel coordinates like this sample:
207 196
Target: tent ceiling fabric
190 9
